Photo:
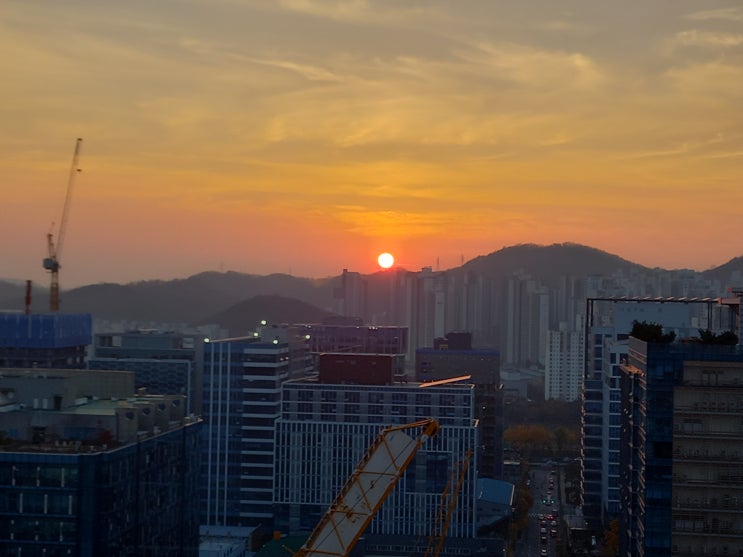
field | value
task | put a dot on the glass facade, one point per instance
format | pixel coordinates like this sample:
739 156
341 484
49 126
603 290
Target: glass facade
134 500
317 450
648 382
242 386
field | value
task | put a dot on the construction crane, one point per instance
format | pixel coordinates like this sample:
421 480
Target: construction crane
448 504
51 263
366 489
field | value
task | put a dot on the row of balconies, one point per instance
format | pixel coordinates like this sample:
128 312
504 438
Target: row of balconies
725 504
737 433
707 551
715 455
722 530
705 406
726 480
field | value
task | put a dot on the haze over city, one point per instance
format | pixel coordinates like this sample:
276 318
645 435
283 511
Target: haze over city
305 136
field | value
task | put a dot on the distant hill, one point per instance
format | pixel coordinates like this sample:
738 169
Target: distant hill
182 300
729 274
215 294
547 262
244 317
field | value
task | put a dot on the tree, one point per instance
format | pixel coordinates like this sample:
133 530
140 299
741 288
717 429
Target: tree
611 539
651 332
725 338
561 437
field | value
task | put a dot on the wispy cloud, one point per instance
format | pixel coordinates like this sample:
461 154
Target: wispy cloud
308 71
728 14
695 37
530 66
357 11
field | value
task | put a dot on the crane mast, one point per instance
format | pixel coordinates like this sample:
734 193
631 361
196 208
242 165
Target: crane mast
51 263
364 492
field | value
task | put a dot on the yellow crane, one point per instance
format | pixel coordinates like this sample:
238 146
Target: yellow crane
446 508
51 263
364 492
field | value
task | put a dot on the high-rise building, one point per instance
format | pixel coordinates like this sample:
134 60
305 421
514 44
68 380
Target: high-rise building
564 365
242 390
54 340
607 327
89 468
163 362
360 339
665 475
325 429
707 492
454 356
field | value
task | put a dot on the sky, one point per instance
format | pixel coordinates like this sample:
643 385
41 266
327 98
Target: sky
308 136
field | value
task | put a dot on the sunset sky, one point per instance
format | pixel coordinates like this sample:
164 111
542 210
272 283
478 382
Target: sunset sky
305 136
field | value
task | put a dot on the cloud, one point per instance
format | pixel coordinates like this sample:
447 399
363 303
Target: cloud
728 14
357 11
535 67
716 79
708 39
307 71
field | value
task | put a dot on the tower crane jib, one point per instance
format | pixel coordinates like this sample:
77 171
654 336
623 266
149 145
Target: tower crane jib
51 263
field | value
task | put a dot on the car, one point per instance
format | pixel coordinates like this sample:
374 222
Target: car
540 516
543 552
553 524
550 517
543 538
543 523
553 532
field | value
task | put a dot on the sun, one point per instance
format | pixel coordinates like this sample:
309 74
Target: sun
385 260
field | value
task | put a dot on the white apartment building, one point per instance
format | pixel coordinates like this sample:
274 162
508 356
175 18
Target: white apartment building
325 429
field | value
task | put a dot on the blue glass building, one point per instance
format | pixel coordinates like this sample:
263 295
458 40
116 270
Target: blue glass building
54 340
87 468
647 434
242 392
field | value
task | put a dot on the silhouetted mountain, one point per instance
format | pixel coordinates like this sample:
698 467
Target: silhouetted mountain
13 293
548 262
189 300
728 274
182 300
244 317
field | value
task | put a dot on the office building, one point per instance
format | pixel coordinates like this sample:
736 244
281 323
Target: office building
55 340
325 429
664 475
89 468
163 362
360 339
242 390
707 492
607 327
452 356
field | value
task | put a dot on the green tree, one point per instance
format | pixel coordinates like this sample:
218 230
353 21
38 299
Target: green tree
651 332
561 438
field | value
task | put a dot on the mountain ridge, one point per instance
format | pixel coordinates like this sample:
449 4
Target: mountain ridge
210 293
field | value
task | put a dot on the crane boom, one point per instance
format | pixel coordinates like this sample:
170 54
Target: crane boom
51 263
448 503
366 489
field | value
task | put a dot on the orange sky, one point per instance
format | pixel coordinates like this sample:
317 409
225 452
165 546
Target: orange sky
306 136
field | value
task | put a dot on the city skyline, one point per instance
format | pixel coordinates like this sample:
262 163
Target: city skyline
305 136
